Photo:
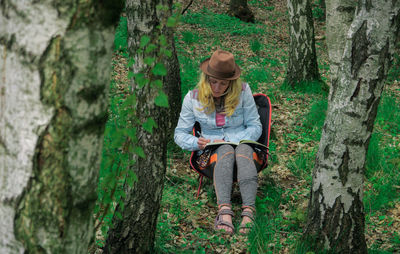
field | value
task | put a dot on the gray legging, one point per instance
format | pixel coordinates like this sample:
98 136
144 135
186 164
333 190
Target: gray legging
246 174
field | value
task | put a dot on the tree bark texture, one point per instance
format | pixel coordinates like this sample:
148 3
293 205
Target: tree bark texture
54 75
336 212
240 10
135 233
340 14
302 64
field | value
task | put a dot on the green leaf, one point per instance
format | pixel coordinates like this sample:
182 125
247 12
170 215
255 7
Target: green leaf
104 229
149 124
121 205
141 80
107 199
163 40
131 178
166 52
131 132
157 83
171 22
150 48
130 74
144 41
96 209
159 69
129 101
149 60
117 142
131 61
161 100
159 7
139 151
119 215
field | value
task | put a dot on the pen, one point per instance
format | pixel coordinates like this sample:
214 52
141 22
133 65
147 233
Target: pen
199 133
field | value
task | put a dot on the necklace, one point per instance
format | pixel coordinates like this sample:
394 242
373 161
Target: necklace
219 104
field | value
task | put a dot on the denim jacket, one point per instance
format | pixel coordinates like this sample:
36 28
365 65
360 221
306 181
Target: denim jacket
243 124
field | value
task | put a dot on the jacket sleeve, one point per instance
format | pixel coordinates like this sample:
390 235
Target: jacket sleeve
182 135
251 118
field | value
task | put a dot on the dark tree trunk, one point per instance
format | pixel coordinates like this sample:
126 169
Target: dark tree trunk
336 211
240 10
55 69
135 233
302 65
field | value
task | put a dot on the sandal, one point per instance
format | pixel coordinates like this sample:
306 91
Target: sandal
247 227
218 221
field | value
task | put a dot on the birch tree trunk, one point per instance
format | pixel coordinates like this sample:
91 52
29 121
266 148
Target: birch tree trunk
135 233
336 212
54 74
339 15
302 64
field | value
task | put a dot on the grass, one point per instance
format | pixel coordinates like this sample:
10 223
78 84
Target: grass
382 159
221 23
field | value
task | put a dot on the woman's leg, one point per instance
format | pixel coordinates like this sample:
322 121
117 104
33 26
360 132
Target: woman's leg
247 174
223 179
223 174
248 182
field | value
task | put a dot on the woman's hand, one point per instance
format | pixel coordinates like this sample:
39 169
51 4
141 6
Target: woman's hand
218 140
202 142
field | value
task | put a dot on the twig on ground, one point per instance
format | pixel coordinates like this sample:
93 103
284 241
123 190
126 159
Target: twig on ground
187 7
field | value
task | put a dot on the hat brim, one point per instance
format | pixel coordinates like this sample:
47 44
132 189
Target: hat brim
204 65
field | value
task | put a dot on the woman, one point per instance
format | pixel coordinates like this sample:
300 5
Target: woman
226 111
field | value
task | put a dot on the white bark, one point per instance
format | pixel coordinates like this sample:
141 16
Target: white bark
339 15
22 114
35 36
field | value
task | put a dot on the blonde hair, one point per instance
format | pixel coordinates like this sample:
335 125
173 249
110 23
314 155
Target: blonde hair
231 98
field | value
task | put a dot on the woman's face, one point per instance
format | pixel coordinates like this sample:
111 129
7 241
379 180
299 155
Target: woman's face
218 86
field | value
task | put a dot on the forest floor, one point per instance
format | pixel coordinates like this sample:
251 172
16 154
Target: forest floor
185 224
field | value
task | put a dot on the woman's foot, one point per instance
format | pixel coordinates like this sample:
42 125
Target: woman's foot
247 221
223 221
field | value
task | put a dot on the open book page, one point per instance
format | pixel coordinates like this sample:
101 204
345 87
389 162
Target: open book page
215 144
250 142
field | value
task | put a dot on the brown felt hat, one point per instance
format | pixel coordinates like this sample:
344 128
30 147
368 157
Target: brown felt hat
221 65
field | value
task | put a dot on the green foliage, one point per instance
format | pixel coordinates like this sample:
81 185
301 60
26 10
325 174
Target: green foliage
259 74
268 221
121 36
307 87
315 118
189 73
394 72
261 4
382 173
308 246
318 13
255 45
302 164
189 38
382 162
318 10
222 23
388 116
